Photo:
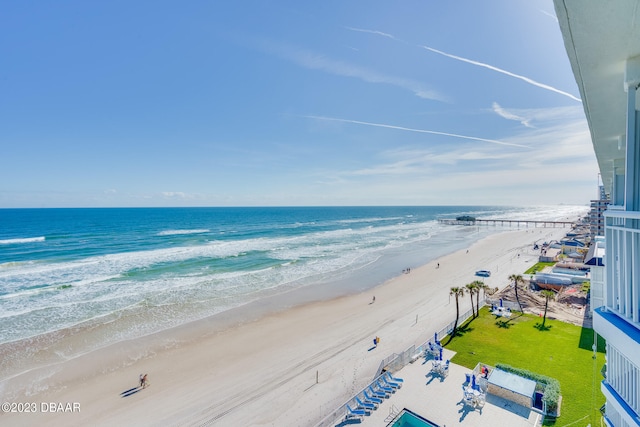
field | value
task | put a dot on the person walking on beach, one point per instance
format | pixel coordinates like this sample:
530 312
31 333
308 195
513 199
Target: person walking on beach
141 380
144 381
374 299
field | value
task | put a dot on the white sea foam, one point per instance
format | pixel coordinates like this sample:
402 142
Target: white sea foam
35 298
374 219
178 232
22 240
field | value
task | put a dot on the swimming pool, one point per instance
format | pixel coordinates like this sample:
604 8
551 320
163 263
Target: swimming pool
408 418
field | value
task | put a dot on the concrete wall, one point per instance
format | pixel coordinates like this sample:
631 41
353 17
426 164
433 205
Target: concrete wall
525 401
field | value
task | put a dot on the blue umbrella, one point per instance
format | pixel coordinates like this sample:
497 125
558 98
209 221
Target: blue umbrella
440 353
473 381
500 302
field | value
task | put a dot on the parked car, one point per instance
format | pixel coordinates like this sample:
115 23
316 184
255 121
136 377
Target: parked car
483 273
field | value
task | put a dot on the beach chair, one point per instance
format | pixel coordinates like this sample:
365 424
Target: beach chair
445 370
365 405
393 379
356 412
378 393
385 388
373 399
391 383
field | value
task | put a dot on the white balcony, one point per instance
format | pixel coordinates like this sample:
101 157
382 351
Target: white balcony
622 236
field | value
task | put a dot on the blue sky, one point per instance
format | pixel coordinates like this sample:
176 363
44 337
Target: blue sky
256 103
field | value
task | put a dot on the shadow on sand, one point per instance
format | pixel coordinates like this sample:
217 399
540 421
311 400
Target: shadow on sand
131 391
432 376
349 421
465 410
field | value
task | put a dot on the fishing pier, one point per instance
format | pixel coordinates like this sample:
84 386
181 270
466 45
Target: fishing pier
510 222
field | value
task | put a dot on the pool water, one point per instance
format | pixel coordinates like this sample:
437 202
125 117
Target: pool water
411 419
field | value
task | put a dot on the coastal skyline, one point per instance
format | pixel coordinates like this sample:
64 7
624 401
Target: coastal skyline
286 104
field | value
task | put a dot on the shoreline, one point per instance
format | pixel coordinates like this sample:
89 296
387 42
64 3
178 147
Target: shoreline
105 331
261 369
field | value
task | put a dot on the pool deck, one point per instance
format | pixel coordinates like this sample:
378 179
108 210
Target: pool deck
440 401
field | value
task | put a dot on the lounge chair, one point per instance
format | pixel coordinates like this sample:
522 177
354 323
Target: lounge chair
373 399
378 393
356 412
365 405
385 388
393 379
391 383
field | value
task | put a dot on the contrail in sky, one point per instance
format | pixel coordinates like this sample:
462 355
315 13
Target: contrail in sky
508 73
379 33
480 64
432 132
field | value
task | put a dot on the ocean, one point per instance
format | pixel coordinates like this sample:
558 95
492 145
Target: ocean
129 272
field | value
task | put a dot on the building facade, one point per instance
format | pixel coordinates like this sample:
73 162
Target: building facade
596 215
602 40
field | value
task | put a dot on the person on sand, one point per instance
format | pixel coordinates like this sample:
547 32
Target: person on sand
141 380
374 299
144 381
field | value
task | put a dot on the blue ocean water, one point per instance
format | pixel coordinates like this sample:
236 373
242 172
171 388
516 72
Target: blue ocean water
61 268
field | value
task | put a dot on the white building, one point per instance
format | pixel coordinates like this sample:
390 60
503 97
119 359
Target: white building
595 261
596 216
602 39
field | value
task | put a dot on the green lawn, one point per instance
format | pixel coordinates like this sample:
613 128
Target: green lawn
561 351
538 267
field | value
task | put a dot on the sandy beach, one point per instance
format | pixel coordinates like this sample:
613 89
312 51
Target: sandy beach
253 367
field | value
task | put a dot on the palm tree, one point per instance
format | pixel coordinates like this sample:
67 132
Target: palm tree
548 295
480 286
471 289
517 280
456 292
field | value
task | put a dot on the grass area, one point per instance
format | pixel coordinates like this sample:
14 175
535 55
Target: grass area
538 267
559 350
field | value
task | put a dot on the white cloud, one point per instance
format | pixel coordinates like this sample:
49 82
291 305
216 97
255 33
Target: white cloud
557 170
510 116
174 194
315 61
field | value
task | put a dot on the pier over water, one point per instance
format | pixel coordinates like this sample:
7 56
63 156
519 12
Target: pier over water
511 222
